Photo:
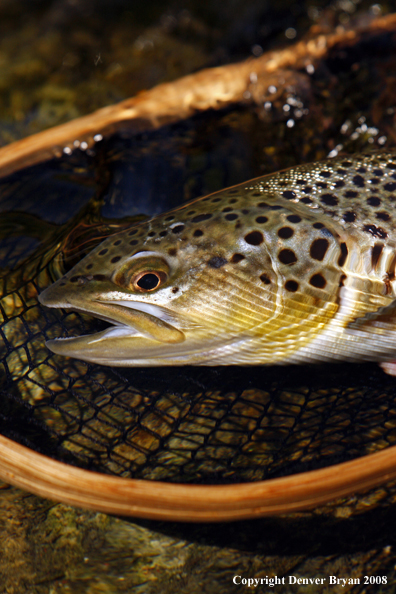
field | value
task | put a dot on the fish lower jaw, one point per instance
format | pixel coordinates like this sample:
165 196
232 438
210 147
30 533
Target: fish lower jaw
113 331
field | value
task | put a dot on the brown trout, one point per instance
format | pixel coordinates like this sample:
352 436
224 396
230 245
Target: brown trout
294 267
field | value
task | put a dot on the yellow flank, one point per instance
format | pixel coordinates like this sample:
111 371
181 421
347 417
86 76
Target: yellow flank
293 267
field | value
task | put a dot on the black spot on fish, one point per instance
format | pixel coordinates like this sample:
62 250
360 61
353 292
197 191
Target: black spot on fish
231 216
339 183
254 238
89 266
374 181
318 249
172 251
99 277
306 200
358 180
264 278
291 285
74 279
163 233
325 173
276 207
361 170
376 231
342 280
287 256
374 201
391 165
329 199
134 242
289 194
228 209
216 199
201 217
318 281
151 234
318 225
115 259
117 242
133 232
349 216
293 219
198 233
103 252
261 219
175 289
170 218
178 229
383 216
285 232
307 190
350 194
262 204
217 262
237 258
346 163
390 186
378 172
343 255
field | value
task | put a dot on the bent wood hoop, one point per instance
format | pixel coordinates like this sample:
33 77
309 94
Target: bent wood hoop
39 474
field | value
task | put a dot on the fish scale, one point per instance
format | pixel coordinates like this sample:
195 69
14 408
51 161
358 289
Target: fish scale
297 266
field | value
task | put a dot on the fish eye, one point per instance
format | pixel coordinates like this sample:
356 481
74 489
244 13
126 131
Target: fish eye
148 280
142 274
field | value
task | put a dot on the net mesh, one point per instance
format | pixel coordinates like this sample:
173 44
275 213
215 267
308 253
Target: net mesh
208 425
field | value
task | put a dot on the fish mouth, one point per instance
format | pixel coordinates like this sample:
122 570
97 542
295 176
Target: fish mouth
132 325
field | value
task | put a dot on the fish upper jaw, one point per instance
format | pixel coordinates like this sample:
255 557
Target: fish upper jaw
130 317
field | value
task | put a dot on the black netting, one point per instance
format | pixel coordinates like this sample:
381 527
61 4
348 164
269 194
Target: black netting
179 424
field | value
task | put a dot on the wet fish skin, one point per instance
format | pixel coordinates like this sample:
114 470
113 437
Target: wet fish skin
294 267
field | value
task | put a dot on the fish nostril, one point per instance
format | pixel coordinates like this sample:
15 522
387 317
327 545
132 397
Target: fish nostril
80 280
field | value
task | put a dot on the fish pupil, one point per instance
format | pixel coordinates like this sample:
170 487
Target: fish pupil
148 281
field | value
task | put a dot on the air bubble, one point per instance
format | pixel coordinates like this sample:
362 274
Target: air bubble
257 50
290 33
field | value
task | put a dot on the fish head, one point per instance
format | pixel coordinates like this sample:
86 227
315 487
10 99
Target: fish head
226 279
